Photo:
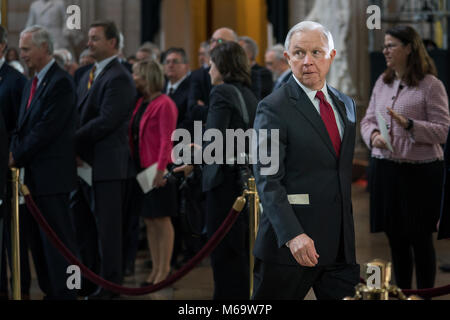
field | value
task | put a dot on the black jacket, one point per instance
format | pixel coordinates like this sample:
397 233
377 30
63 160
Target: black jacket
262 83
223 114
311 190
444 227
180 97
43 142
105 111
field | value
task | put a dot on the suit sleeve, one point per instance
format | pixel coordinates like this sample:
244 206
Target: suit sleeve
3 157
266 82
57 109
434 129
270 184
115 109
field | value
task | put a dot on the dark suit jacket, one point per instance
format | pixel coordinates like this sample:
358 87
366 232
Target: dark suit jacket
11 87
224 114
101 139
43 142
4 156
262 83
444 227
307 166
80 71
180 97
282 81
199 90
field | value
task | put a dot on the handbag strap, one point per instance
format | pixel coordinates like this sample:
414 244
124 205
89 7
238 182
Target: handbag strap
242 106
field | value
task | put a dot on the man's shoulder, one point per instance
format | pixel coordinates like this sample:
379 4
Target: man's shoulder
11 74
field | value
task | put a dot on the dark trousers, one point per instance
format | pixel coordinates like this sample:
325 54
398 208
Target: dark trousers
50 265
285 282
108 213
130 225
407 251
230 259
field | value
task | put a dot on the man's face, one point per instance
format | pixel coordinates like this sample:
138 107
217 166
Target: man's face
2 49
219 36
174 67
203 58
142 55
33 56
100 47
272 62
308 58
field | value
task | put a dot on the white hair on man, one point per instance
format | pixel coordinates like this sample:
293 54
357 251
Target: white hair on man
278 50
39 36
310 26
251 46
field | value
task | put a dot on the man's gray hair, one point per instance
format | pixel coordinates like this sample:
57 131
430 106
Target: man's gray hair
309 26
39 36
278 50
251 45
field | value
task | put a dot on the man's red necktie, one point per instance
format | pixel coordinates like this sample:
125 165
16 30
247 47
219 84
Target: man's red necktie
33 91
327 114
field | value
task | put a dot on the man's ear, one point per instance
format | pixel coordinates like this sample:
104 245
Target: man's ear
332 54
288 58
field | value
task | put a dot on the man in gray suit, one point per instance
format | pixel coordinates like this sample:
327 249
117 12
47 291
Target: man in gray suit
306 233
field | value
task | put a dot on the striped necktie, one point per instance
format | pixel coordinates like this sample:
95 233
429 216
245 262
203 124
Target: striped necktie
91 77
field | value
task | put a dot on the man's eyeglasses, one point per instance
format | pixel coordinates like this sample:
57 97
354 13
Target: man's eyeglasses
214 40
174 61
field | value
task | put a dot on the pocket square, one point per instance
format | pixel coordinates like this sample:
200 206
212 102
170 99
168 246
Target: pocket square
298 198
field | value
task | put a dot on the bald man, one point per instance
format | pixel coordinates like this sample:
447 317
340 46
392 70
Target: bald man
201 81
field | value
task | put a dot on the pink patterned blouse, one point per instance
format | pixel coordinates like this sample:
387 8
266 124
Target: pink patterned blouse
426 105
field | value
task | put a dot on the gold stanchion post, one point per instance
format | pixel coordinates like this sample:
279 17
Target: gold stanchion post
15 235
253 224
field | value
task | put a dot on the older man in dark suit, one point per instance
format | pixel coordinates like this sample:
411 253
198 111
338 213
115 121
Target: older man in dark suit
306 234
43 144
106 96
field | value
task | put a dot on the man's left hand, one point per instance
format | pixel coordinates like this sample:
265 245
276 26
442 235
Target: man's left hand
11 162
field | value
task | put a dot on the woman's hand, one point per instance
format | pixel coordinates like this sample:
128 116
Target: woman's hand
401 120
187 169
378 140
159 180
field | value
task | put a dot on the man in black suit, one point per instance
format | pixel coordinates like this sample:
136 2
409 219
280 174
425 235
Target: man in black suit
176 69
306 233
106 96
444 221
276 62
43 144
262 83
11 87
201 81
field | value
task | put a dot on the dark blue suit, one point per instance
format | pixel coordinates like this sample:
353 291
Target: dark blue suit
444 227
199 90
43 144
102 141
180 97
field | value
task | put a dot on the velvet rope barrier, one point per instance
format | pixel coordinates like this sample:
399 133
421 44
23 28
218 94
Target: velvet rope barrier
204 252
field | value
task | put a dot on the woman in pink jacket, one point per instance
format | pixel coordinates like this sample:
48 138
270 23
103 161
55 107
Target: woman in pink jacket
152 124
406 181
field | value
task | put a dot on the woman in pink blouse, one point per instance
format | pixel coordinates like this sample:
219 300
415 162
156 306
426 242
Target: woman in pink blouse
405 183
152 124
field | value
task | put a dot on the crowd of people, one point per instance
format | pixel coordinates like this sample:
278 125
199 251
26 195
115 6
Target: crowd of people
113 118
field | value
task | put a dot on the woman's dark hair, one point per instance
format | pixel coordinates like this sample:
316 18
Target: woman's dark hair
232 63
419 63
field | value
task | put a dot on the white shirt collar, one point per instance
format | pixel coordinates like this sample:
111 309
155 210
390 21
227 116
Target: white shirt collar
2 61
312 93
175 85
41 74
99 66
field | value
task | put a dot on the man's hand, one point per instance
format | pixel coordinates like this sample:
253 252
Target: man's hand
200 103
11 162
80 162
303 250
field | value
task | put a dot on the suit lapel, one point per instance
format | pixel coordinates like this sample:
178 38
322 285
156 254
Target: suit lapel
42 87
304 105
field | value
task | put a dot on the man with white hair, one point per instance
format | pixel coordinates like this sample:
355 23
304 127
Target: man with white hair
262 83
43 144
306 234
277 63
